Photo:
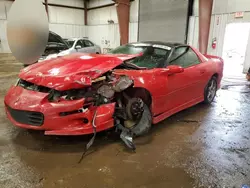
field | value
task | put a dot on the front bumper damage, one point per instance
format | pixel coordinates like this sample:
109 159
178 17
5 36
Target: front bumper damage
61 116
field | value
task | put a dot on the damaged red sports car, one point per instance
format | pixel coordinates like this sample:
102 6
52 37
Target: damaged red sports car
130 88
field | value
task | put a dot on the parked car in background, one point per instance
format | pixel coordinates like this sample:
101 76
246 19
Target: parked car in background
55 45
77 45
82 45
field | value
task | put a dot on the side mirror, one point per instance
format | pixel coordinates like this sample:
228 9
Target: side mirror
78 47
174 69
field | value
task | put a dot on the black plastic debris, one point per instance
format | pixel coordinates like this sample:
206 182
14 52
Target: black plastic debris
91 141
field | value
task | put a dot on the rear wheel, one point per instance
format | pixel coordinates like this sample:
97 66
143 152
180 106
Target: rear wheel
210 90
139 117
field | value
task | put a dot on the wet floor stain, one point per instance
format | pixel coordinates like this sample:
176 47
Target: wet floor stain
204 146
237 88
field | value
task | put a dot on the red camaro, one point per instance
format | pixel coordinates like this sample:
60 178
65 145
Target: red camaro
131 88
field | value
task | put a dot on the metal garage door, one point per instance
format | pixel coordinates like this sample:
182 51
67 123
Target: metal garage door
163 20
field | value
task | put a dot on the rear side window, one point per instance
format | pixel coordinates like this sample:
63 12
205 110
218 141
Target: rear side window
179 51
160 52
185 57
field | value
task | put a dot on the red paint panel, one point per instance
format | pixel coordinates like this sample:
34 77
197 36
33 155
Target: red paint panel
53 122
61 73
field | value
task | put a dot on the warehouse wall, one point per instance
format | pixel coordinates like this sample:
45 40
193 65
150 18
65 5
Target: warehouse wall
67 22
107 34
223 13
4 8
64 21
70 22
99 30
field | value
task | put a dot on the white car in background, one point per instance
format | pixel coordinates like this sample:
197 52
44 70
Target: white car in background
82 45
76 45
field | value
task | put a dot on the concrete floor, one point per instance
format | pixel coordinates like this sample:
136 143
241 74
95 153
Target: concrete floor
204 146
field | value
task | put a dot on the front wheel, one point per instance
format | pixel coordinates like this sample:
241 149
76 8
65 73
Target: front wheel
210 91
140 119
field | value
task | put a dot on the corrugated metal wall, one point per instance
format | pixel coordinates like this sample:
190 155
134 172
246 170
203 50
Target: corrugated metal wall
4 8
193 30
223 13
75 3
67 22
99 30
64 21
70 22
229 6
163 20
107 35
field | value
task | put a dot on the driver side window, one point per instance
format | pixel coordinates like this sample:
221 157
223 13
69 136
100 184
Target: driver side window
87 43
79 43
184 57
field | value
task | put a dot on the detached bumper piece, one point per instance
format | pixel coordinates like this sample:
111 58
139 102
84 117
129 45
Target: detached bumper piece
26 117
126 135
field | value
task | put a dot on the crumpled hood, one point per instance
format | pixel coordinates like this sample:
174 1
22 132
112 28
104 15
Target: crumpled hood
71 71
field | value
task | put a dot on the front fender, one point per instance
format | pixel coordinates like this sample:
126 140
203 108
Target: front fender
153 81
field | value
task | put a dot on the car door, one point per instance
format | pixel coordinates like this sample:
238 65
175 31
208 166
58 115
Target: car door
89 46
79 44
184 88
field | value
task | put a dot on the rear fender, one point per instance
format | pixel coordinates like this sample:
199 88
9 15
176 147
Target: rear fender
219 65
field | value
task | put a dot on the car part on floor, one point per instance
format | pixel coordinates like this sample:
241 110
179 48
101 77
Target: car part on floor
126 135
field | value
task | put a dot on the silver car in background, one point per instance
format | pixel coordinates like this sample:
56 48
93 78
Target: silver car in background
77 45
82 45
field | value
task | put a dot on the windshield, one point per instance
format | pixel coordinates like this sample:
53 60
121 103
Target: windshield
153 56
70 42
128 49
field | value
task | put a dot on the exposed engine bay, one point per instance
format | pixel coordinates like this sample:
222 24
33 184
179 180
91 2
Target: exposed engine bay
105 89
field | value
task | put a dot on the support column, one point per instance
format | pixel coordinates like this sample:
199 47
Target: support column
205 12
85 13
123 11
47 8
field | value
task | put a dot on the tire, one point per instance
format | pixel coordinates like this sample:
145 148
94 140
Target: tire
143 126
210 91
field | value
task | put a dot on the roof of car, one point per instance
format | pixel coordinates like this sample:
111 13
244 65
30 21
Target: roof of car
76 38
72 39
170 44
